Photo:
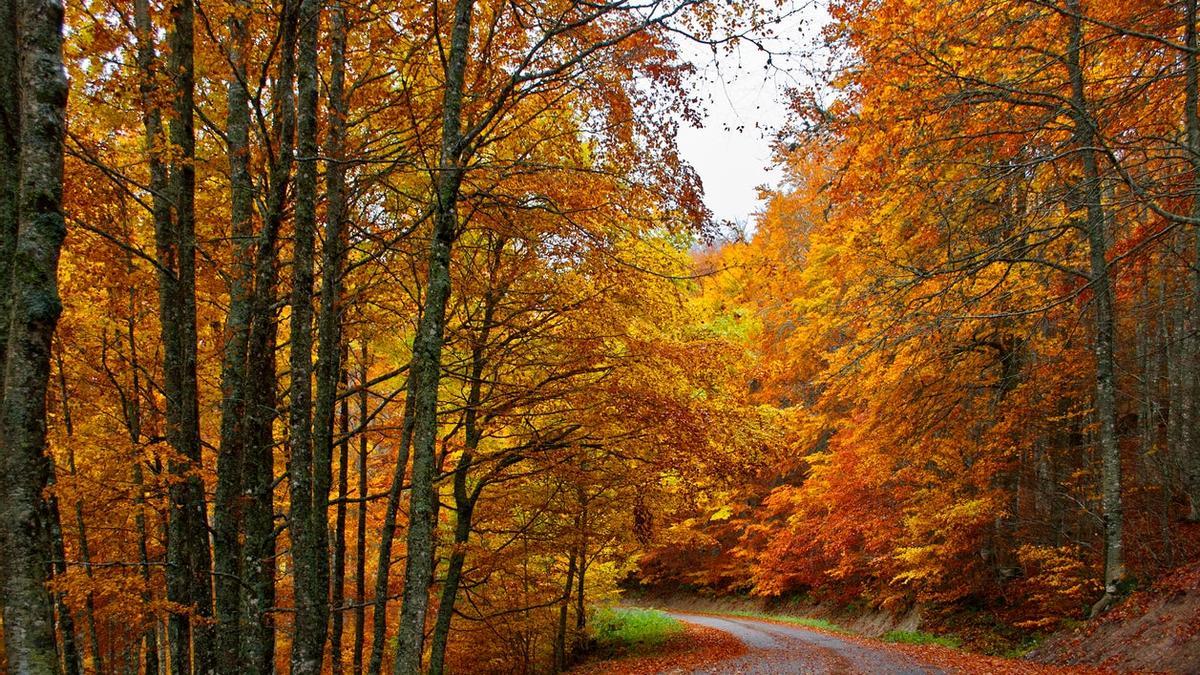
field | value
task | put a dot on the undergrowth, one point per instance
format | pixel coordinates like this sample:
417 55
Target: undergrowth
630 630
916 637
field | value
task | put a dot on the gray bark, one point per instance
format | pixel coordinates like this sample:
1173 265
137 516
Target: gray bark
306 523
257 647
188 562
330 321
257 644
10 184
427 350
360 544
337 592
581 567
34 309
10 164
329 369
152 125
227 525
1191 370
464 502
1096 227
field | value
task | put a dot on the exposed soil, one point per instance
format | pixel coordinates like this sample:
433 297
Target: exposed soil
1155 630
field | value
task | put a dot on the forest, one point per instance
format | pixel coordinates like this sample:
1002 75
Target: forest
344 336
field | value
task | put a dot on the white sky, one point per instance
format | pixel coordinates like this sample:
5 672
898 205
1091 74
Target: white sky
745 106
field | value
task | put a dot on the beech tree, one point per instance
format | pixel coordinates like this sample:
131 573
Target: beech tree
34 124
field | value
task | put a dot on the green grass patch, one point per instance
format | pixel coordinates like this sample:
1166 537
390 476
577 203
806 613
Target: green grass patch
629 630
819 624
1021 650
916 637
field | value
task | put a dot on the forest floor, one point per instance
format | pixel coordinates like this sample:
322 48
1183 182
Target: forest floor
696 647
1156 629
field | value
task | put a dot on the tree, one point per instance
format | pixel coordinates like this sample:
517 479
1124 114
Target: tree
33 306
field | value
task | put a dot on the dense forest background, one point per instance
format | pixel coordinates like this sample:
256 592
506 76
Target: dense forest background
974 305
398 337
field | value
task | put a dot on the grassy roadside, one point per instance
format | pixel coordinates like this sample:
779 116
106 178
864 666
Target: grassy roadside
637 641
632 630
916 637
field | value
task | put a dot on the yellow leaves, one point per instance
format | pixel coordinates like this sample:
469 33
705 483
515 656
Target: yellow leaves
1056 583
723 513
920 564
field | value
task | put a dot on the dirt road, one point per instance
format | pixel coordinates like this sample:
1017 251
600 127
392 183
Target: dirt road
781 649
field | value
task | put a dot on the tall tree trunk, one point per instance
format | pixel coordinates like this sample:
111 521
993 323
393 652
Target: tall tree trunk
306 523
329 369
464 505
1161 361
152 125
188 564
10 164
72 660
581 569
1191 370
427 353
337 584
257 646
560 634
360 533
1096 226
34 308
227 525
89 602
331 352
10 186
464 500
